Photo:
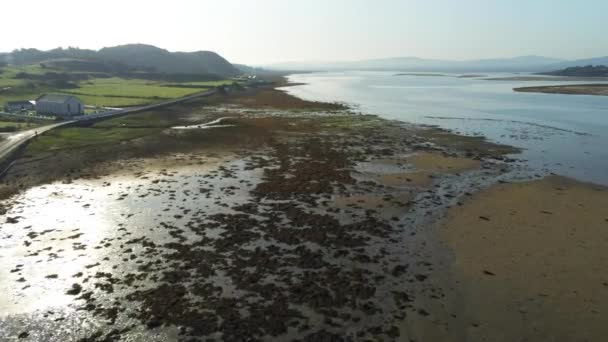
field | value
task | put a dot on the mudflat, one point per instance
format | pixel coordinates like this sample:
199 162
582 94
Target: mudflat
572 89
531 261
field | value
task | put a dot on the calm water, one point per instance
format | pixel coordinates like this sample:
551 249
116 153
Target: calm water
566 134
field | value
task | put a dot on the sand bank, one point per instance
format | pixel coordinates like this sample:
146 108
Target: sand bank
531 260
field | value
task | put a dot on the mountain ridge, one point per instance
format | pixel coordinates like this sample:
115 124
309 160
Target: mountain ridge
528 63
134 57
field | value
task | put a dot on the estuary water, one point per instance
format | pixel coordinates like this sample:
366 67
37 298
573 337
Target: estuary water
564 134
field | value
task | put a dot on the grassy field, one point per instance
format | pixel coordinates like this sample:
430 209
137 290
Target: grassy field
209 84
9 82
18 124
79 137
98 91
124 92
146 119
7 122
106 132
12 71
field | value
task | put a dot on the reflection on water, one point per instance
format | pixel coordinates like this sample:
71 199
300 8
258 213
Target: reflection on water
560 133
54 232
65 246
56 222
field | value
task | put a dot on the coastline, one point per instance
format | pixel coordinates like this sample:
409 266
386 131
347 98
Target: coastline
570 89
549 78
360 251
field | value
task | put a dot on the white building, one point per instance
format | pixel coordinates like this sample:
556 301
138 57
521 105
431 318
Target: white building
60 105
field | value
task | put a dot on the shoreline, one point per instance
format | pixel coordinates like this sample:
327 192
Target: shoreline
570 89
543 78
324 223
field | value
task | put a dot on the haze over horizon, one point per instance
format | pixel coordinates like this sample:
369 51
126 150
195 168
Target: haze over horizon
274 31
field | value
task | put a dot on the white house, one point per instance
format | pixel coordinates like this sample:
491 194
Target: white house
60 105
17 106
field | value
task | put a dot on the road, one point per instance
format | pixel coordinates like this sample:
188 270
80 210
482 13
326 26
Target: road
14 140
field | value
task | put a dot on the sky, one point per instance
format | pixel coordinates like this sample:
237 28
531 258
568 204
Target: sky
258 32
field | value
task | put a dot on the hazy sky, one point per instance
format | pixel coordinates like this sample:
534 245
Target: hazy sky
266 31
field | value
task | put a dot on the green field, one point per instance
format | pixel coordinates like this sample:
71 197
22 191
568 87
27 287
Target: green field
79 137
19 123
15 126
9 82
35 69
97 91
146 119
106 132
13 89
209 84
124 92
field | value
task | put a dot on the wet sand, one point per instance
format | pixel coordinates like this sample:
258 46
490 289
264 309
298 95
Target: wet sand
577 89
531 260
419 169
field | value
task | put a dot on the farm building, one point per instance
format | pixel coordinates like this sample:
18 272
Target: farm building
60 105
17 106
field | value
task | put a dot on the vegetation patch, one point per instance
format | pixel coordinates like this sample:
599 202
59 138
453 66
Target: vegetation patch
10 124
277 99
119 87
27 82
76 137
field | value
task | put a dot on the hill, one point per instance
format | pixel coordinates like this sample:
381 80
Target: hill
151 58
577 63
132 57
581 71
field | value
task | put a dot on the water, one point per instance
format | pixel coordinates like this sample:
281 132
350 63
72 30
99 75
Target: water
565 134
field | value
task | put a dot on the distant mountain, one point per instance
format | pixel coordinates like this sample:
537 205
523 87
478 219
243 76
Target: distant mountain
522 63
132 56
577 63
585 71
517 64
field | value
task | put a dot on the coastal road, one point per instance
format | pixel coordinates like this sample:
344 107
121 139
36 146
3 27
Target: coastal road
12 141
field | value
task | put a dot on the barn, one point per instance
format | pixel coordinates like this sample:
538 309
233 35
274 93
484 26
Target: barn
60 105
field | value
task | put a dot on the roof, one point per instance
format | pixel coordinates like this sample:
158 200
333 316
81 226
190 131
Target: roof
55 98
19 103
